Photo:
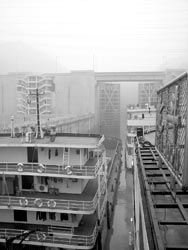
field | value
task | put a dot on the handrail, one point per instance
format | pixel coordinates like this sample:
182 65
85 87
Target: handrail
53 237
81 170
75 205
60 204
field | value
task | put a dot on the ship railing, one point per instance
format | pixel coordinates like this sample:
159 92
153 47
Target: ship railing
52 170
98 164
51 204
51 237
103 206
40 203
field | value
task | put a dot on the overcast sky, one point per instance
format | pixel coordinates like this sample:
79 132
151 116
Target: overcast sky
104 35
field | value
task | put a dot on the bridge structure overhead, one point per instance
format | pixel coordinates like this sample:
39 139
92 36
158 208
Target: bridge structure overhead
108 100
129 76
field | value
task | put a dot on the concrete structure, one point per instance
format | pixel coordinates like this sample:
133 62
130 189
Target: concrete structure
66 124
78 93
147 94
74 95
108 100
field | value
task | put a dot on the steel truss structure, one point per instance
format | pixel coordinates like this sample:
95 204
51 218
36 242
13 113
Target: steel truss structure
171 128
165 203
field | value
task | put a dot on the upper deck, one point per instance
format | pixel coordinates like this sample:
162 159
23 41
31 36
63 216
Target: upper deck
60 140
50 156
141 117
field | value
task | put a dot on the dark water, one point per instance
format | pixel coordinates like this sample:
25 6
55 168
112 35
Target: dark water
119 235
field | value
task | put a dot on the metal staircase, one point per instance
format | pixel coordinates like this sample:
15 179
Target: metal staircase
66 154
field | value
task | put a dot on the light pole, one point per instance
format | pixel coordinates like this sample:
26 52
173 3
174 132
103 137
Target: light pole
36 93
12 126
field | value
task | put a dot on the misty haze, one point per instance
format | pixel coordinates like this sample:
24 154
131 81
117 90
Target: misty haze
93 124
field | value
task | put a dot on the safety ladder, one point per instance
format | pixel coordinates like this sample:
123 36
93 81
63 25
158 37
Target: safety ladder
66 152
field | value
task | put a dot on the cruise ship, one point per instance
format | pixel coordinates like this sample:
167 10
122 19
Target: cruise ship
140 121
53 190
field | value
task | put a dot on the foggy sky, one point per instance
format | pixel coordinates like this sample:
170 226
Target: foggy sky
113 35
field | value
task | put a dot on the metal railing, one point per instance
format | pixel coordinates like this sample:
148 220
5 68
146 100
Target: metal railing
171 127
51 170
139 215
51 204
52 237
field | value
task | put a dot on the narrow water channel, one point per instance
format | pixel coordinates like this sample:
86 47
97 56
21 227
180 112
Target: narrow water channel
119 234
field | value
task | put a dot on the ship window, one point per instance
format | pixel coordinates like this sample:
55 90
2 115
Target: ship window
43 180
64 216
32 154
66 150
77 151
52 216
74 180
56 152
20 215
27 182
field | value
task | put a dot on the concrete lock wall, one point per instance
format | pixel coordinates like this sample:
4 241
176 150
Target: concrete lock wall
74 94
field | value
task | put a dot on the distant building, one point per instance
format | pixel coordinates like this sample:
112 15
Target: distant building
108 98
27 90
147 94
73 95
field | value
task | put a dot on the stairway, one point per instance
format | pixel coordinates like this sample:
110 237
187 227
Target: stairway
66 152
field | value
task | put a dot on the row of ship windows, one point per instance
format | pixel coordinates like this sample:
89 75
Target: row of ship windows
21 215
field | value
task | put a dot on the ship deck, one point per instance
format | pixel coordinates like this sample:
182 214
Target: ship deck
87 194
86 226
60 141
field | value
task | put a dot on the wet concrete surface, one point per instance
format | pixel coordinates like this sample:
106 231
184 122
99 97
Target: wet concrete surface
118 237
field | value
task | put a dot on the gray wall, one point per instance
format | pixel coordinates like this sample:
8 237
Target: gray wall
74 94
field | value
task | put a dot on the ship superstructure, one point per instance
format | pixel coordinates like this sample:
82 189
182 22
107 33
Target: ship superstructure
53 190
143 119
